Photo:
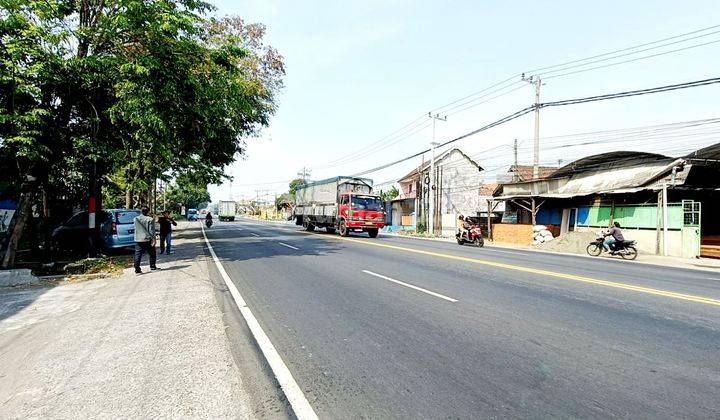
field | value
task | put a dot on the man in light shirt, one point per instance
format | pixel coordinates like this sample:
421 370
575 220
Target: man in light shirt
144 239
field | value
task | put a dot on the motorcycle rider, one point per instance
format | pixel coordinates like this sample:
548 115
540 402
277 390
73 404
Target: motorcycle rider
208 219
615 235
463 226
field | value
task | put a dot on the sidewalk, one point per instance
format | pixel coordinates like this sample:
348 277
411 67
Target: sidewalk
691 264
135 346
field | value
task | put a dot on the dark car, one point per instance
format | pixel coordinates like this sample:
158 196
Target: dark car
116 230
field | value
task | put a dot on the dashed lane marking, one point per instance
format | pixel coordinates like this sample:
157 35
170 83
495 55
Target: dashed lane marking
402 283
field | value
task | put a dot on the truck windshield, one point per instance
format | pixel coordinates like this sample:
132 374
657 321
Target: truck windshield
360 202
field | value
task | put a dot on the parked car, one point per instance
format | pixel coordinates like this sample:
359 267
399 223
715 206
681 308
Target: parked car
192 214
117 230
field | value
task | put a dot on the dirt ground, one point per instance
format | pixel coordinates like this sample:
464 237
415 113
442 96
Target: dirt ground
573 242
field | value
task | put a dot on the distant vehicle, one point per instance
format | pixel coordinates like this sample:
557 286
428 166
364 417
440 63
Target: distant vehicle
192 214
344 204
625 249
226 211
117 230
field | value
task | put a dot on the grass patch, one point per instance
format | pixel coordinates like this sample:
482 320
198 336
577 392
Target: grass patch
112 265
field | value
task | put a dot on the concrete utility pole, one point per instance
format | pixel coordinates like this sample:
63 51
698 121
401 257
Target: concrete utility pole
304 174
536 146
515 152
431 191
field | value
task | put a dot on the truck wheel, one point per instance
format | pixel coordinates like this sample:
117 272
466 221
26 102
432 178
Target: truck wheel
308 226
343 229
330 229
373 233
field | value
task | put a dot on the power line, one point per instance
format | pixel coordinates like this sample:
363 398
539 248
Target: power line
632 60
566 102
542 69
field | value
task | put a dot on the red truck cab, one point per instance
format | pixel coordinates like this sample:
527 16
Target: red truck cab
361 213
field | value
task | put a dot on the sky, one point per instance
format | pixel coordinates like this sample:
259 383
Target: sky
357 72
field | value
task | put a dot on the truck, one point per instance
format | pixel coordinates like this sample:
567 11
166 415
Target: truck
226 211
341 204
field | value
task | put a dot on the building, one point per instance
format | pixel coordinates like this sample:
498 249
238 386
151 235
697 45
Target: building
523 173
457 191
639 190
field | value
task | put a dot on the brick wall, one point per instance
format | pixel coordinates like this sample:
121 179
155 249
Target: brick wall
513 234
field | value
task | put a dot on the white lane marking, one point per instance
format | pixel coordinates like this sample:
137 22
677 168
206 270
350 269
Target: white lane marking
300 405
289 246
255 234
713 278
402 283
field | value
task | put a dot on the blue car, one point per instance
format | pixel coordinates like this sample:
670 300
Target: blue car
117 230
192 214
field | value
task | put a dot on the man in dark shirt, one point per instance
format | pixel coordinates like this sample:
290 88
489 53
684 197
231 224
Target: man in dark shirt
615 235
166 223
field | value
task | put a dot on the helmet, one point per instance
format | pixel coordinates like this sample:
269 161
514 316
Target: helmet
461 217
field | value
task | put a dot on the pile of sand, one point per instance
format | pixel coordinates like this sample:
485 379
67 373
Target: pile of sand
574 242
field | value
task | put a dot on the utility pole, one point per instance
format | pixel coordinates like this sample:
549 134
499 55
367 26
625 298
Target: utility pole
304 174
536 146
515 152
431 191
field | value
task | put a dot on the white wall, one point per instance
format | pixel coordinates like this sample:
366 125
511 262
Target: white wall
460 185
646 240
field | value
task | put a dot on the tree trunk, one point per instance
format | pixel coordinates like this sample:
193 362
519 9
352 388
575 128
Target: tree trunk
17 226
128 198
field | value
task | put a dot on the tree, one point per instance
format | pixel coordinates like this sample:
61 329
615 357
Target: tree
125 92
296 184
188 192
390 194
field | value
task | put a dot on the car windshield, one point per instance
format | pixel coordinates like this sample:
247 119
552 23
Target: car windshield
362 202
192 211
126 216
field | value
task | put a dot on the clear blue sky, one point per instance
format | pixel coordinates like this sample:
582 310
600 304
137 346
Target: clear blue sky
357 71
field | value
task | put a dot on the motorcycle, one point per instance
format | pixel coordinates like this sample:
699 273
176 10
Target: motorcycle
208 223
625 249
473 235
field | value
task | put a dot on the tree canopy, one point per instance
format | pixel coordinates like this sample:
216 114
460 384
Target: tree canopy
122 92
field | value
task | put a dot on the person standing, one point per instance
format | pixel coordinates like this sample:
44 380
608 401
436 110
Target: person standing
144 239
166 223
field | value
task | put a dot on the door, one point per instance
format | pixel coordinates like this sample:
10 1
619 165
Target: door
691 238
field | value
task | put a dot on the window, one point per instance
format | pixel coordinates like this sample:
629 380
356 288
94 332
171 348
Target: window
124 217
361 202
80 219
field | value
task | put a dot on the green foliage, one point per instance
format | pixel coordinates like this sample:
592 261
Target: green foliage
146 88
295 184
187 191
390 194
420 228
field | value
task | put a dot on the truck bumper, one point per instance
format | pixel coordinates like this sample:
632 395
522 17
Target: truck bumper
364 225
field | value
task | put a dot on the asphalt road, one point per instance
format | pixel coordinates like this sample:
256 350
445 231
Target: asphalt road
395 327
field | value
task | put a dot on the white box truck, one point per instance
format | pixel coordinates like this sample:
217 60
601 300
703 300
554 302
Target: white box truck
226 211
